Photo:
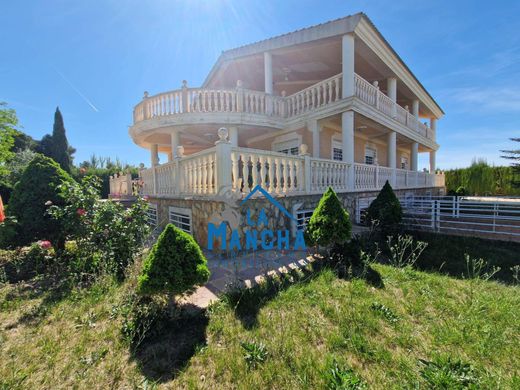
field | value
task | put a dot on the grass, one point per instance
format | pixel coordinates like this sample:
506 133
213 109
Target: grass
447 253
421 330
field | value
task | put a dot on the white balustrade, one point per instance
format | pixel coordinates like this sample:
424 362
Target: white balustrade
321 94
277 173
365 177
147 181
198 172
384 174
328 173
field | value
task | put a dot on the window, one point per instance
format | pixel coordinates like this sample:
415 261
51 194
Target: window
151 215
404 162
293 151
337 150
291 146
181 218
302 218
370 154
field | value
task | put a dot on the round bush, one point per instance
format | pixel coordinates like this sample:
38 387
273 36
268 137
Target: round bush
175 264
31 197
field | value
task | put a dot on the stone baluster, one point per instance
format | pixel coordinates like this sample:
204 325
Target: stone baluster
254 170
262 171
270 161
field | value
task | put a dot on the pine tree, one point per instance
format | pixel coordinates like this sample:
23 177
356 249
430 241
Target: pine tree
515 156
60 151
385 210
330 222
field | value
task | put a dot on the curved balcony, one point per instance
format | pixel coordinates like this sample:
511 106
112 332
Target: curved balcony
199 105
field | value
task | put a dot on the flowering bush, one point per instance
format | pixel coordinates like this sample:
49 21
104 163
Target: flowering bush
107 235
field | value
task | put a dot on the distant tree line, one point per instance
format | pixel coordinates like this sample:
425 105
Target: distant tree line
482 179
18 149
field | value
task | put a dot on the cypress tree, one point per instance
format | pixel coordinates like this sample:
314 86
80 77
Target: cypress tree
515 156
60 146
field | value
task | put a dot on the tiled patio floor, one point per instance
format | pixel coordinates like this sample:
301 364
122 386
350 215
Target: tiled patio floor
244 269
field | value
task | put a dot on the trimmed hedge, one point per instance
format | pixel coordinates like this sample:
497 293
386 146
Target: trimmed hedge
175 264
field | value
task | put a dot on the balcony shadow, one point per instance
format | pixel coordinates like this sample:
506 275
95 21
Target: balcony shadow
165 354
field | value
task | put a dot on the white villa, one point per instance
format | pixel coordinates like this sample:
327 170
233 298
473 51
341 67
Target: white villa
328 105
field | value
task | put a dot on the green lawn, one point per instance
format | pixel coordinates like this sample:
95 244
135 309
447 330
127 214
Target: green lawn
318 331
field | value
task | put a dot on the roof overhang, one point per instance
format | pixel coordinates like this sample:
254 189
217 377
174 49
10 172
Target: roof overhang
360 25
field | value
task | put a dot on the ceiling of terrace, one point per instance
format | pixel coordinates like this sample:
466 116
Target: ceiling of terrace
298 67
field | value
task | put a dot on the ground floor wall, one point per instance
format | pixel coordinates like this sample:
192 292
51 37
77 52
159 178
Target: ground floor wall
240 214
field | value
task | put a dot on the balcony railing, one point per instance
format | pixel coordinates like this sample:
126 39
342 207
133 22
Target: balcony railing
209 171
322 94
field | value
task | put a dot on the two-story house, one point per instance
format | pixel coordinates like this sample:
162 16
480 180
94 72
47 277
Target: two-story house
328 105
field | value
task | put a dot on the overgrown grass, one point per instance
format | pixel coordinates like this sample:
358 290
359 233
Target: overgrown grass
420 331
446 253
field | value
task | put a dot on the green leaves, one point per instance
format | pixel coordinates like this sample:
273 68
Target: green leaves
175 264
385 210
330 222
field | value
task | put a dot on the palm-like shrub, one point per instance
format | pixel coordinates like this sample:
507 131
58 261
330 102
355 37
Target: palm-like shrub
175 264
31 197
330 222
385 210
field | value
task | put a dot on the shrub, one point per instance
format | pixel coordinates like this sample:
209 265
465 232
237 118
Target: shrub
445 372
330 222
29 201
107 236
385 211
175 264
24 263
254 353
337 377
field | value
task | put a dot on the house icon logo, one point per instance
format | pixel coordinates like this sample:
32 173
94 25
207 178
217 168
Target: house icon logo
255 233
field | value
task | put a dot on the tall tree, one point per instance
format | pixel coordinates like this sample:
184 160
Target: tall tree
515 156
8 123
60 146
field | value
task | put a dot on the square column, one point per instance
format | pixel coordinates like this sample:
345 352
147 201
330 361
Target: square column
174 140
268 72
391 152
347 139
314 128
415 108
391 86
432 161
415 156
347 65
233 135
154 156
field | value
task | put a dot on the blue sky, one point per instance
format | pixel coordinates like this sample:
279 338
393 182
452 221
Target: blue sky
94 59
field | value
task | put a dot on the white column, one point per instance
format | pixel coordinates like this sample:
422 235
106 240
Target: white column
268 72
415 153
347 67
391 86
174 140
392 148
154 157
347 136
314 128
415 108
433 124
233 136
391 153
432 161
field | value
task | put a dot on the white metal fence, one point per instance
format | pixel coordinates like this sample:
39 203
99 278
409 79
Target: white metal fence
479 216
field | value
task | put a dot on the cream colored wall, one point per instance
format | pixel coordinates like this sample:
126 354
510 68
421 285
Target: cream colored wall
326 137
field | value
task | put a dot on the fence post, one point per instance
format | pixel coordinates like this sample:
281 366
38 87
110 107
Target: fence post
184 96
377 177
438 216
240 96
155 180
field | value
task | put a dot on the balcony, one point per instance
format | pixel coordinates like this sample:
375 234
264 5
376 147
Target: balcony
278 110
225 167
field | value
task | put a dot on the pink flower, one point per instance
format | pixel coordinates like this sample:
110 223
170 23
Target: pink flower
82 170
81 212
44 244
146 197
48 203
